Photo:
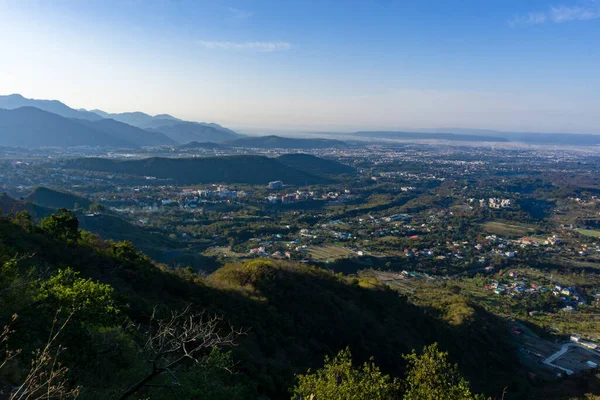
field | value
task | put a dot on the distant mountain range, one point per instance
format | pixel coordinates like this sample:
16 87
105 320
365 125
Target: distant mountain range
136 118
35 123
186 132
231 169
178 130
33 127
133 134
13 101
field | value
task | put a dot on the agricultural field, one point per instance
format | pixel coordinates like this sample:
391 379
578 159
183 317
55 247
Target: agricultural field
508 229
329 253
589 232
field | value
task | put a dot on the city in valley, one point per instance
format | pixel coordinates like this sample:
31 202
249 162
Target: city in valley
299 200
507 234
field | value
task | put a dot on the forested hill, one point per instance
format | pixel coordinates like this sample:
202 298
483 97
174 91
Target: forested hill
43 202
201 145
57 199
10 206
286 318
232 169
315 165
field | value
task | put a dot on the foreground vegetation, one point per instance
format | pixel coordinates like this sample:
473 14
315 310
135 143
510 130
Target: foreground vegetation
100 320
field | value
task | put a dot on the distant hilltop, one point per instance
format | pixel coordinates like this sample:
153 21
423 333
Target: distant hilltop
248 169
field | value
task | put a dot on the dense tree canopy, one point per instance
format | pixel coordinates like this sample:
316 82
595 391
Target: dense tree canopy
339 379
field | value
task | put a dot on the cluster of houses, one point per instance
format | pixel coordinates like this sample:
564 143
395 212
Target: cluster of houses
150 199
288 198
192 199
520 285
221 192
333 198
492 202
261 251
587 201
414 177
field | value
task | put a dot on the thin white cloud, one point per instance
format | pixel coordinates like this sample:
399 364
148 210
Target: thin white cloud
565 14
528 19
265 47
558 14
236 13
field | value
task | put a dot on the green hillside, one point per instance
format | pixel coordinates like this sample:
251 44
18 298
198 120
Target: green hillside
10 206
233 169
290 316
153 242
57 199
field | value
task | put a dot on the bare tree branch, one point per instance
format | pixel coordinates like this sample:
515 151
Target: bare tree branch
184 335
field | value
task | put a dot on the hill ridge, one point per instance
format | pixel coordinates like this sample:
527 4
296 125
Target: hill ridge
250 169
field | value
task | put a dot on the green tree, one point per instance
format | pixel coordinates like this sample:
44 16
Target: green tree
23 219
68 290
430 376
97 208
63 225
339 379
125 251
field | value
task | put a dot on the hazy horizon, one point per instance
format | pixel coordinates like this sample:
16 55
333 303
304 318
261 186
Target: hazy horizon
314 66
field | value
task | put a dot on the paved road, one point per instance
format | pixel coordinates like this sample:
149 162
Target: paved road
561 352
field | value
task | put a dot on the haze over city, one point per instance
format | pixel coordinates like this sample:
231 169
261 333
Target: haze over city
313 65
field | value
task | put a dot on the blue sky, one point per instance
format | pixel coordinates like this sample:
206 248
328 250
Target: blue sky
314 65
